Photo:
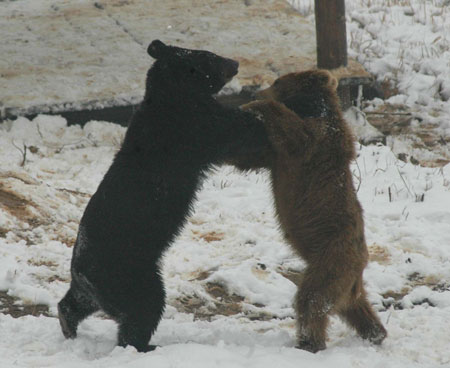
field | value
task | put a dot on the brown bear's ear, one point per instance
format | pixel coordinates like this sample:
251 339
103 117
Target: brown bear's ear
329 79
333 82
156 49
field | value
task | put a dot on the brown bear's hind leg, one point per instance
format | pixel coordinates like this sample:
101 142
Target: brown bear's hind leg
360 315
320 293
312 306
312 325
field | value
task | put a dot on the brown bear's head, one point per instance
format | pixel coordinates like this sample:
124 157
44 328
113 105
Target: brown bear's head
310 93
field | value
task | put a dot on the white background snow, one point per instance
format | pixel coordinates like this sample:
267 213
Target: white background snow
407 214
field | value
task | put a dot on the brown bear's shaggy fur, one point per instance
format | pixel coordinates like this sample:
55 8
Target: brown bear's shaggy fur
316 203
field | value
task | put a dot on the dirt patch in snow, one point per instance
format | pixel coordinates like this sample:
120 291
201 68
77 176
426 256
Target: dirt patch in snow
379 254
399 121
394 299
14 204
218 300
15 308
209 237
42 215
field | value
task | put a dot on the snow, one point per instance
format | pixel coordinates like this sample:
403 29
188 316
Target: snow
231 242
362 129
412 237
410 39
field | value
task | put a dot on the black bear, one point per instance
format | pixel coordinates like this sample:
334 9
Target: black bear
316 203
177 134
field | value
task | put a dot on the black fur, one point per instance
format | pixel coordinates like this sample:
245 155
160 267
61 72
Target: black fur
142 202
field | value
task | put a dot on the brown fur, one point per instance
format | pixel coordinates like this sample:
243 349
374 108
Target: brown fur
316 203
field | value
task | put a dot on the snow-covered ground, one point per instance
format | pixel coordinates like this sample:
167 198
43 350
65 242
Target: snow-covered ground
228 274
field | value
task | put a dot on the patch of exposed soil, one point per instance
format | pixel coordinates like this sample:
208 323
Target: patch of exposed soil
14 204
394 299
399 121
209 237
3 232
10 305
219 302
379 254
41 211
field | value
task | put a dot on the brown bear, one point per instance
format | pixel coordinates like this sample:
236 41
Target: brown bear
316 202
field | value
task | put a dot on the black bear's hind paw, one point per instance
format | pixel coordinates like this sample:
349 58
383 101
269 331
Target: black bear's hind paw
69 331
150 348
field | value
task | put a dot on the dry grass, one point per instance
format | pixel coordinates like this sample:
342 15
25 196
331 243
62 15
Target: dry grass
379 254
12 306
208 237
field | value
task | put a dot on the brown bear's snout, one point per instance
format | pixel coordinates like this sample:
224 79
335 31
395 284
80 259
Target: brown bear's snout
265 94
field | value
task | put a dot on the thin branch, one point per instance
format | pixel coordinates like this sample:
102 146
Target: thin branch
404 182
358 177
388 113
23 152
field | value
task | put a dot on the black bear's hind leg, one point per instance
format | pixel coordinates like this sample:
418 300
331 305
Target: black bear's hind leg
72 309
138 316
137 324
136 333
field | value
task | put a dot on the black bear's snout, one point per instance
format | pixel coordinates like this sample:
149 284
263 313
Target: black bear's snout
230 68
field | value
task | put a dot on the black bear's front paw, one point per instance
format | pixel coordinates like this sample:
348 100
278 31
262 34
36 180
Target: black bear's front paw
312 347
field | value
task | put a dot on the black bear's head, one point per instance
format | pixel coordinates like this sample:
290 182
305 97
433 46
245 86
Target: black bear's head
195 70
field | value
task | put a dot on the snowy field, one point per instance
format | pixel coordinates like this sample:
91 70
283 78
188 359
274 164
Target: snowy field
229 274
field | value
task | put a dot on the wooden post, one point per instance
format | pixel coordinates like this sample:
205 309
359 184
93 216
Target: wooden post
331 41
331 36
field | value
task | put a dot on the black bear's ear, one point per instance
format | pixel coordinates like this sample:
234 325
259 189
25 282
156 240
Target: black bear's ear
156 49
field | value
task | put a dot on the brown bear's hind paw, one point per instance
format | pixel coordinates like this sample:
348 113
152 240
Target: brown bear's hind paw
376 335
312 347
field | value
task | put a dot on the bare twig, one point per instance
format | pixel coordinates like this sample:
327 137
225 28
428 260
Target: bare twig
23 152
359 177
404 182
76 192
39 131
388 317
388 113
